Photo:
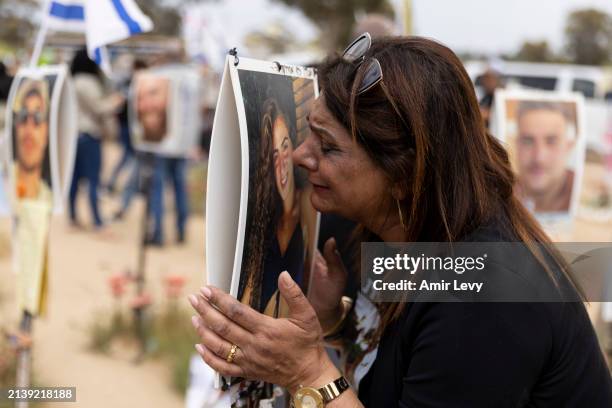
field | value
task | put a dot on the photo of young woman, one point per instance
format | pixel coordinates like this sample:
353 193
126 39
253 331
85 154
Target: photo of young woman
281 222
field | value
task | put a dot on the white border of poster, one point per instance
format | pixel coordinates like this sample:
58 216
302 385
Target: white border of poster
500 130
63 130
228 174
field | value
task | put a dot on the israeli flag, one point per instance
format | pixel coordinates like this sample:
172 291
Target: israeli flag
66 15
109 21
103 22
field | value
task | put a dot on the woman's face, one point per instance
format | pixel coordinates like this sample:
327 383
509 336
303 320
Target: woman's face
283 161
345 180
32 134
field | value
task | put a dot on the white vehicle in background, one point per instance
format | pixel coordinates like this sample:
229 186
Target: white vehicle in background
594 82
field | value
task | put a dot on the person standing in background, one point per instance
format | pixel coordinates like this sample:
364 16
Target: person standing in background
490 82
124 130
95 110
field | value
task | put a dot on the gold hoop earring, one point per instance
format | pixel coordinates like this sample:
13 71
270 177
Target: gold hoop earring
401 216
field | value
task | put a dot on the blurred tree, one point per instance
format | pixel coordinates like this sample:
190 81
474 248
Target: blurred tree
588 36
336 18
535 51
16 27
165 15
275 38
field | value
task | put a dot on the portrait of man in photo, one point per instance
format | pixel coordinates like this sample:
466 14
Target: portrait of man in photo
545 139
152 104
32 165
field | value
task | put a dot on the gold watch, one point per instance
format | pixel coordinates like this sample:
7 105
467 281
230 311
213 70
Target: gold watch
309 397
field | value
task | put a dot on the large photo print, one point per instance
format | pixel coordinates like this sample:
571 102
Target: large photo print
542 132
281 222
30 137
41 132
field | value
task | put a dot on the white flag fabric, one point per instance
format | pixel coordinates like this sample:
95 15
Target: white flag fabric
109 21
103 22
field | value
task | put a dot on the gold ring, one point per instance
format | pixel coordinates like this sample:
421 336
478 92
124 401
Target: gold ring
231 354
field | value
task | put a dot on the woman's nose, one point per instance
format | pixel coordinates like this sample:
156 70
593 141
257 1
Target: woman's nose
304 157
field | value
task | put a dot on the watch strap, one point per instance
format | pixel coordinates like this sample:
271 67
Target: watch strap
333 390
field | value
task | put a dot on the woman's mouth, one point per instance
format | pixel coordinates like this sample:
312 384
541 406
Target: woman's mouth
284 178
320 188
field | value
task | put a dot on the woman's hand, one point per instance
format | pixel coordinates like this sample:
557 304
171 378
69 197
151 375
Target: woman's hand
327 284
286 351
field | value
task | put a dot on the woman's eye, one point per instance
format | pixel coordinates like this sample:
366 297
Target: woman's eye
325 149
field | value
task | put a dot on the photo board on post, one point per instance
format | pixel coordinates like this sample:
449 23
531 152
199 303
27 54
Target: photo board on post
260 220
164 111
40 135
544 134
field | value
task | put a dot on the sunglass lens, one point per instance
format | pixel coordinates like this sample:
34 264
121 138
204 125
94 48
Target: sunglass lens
372 76
22 116
38 118
358 48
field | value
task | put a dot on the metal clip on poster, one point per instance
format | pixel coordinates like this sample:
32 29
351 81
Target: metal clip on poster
234 52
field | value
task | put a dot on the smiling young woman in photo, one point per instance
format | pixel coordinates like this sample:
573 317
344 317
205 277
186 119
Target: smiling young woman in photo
399 146
282 224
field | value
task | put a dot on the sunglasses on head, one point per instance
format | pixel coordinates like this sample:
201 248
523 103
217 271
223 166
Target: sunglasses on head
355 53
23 115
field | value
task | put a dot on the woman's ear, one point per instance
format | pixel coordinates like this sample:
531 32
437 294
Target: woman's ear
398 192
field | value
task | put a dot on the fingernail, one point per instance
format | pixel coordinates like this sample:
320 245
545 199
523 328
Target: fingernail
193 300
199 348
206 292
195 321
287 281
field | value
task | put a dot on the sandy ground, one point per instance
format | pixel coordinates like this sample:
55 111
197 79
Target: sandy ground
81 263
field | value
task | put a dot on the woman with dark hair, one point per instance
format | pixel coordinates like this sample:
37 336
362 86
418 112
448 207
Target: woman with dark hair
280 228
95 110
398 144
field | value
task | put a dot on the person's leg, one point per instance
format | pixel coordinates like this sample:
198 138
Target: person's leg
156 200
131 188
76 176
124 135
94 163
177 172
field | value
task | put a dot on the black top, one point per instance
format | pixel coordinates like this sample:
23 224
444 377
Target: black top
275 263
489 355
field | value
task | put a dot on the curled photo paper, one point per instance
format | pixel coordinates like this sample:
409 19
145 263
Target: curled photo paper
39 147
260 221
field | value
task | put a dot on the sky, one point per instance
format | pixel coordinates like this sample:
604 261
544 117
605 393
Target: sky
495 26
481 26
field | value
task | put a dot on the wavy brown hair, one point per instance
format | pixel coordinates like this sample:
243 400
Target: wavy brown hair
422 126
267 206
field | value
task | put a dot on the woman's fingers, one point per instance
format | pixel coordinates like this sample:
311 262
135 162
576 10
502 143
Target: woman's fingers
222 348
335 266
238 312
300 308
217 322
219 364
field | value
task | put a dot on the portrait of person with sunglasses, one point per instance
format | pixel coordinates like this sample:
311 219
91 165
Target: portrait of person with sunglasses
399 146
32 165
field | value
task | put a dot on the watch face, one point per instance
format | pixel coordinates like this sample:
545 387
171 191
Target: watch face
307 397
